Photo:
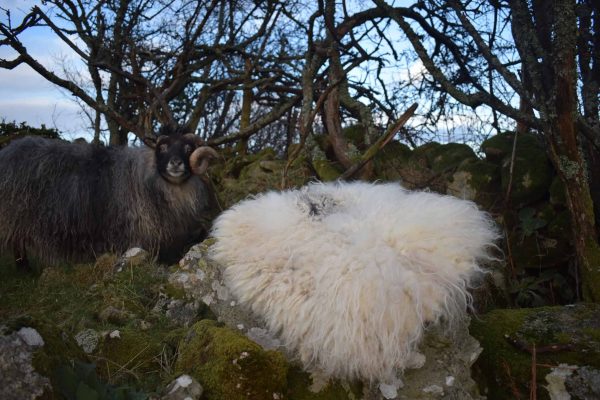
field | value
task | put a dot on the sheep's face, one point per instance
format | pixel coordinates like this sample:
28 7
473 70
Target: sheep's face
173 157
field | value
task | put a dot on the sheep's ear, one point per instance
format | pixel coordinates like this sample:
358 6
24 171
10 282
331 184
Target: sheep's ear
150 141
200 159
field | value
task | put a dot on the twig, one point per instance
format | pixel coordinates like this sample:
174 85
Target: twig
533 388
522 345
380 143
510 172
513 385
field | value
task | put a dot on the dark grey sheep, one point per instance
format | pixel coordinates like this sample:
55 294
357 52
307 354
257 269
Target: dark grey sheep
64 201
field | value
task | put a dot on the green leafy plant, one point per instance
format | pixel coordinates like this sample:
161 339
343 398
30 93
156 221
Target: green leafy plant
529 223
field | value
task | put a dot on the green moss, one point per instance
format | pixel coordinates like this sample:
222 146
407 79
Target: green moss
256 174
326 170
531 177
229 365
499 147
59 348
448 156
390 160
424 154
132 354
70 299
476 180
590 271
499 363
174 292
503 370
355 134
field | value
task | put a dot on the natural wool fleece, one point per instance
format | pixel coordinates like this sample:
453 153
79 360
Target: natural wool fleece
350 274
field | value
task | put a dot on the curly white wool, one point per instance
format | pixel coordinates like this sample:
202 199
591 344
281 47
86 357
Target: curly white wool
349 274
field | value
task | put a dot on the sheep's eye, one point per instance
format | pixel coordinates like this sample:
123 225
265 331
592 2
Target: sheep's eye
163 148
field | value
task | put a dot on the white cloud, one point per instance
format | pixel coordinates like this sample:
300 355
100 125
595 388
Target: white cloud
53 112
25 96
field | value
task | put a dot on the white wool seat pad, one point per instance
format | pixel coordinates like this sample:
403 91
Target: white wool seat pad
349 274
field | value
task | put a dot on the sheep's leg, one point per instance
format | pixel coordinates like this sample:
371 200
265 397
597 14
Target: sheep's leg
21 260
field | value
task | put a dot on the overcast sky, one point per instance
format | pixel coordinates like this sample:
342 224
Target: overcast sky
27 97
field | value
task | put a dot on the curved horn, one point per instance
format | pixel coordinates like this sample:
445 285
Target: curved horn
200 159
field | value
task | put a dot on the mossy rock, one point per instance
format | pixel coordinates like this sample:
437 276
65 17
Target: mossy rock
531 177
500 146
259 176
448 156
229 365
326 170
236 163
323 143
390 160
503 370
424 154
355 134
476 180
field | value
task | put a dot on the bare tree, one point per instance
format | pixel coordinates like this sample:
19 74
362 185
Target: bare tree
457 47
149 60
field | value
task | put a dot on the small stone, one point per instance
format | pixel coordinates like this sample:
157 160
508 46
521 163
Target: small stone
450 380
18 378
114 315
183 388
208 299
116 334
221 290
389 390
136 256
87 339
416 361
31 337
556 382
434 389
145 325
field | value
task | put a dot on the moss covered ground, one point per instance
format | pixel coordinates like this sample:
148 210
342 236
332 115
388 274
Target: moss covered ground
64 300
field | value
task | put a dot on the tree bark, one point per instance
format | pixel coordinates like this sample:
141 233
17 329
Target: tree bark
565 151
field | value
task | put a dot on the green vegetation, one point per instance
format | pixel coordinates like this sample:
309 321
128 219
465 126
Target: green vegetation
62 301
12 130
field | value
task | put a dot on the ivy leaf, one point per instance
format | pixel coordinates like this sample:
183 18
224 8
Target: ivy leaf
529 222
